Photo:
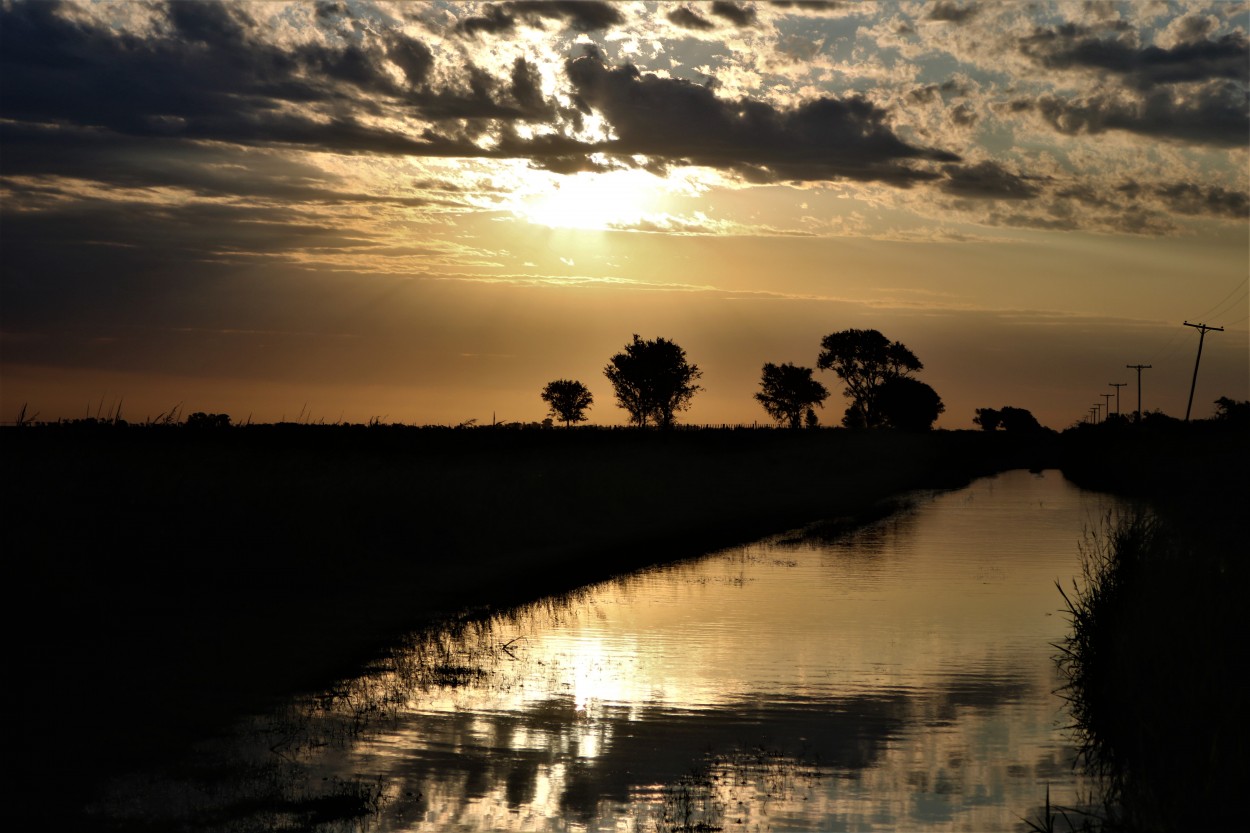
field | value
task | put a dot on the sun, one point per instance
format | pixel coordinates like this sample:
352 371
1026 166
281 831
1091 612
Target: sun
599 201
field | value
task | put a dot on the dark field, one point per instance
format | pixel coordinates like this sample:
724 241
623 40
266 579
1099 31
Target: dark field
177 578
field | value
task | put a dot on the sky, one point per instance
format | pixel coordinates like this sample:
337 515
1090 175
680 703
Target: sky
424 212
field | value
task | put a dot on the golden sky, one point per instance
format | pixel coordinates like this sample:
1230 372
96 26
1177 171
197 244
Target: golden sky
426 211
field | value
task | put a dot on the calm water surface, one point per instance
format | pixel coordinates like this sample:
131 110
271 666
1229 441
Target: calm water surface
900 677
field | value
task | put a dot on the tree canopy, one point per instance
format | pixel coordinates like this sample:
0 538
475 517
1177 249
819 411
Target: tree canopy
1232 411
788 392
864 360
653 380
1018 420
568 399
908 404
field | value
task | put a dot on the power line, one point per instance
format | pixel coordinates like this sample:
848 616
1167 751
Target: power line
1220 303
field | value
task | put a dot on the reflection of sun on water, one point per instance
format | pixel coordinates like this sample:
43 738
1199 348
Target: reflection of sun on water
594 201
597 678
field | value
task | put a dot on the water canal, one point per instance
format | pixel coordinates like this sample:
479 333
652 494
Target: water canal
897 677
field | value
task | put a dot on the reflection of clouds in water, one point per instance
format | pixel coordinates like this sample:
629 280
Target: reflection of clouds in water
915 670
783 687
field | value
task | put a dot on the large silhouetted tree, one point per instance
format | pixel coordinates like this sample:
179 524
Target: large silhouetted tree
653 380
864 360
908 404
568 400
788 392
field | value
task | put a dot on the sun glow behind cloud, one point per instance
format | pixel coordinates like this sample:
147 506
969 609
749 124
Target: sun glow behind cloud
207 170
592 201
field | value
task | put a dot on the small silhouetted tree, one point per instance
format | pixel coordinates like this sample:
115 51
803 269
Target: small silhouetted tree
199 419
988 418
653 380
568 399
787 392
907 404
864 360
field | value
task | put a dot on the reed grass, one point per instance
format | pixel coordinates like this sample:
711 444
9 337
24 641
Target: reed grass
1150 668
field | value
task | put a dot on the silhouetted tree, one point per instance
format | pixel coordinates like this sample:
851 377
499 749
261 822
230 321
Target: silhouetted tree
787 392
864 359
653 380
1018 420
199 419
907 404
988 418
1232 411
568 400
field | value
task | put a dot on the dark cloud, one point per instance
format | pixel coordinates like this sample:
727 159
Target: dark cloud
584 16
931 92
686 123
963 115
740 16
1076 47
413 57
687 19
987 180
495 20
1135 198
810 5
1213 114
213 76
948 11
1193 199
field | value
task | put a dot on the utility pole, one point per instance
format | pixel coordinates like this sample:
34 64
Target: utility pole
1139 368
1202 329
1107 402
1117 386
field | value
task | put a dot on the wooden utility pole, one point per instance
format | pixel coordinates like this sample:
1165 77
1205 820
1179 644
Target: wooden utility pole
1202 329
1139 368
1107 403
1117 386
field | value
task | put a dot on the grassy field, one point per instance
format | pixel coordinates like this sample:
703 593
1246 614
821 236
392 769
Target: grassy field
177 578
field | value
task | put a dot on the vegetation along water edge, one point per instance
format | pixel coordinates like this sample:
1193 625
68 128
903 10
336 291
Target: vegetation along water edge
1158 626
